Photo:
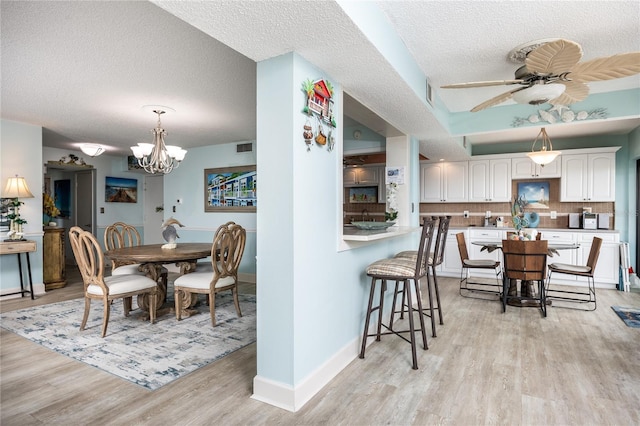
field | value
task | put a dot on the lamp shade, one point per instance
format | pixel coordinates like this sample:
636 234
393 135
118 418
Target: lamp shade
17 188
543 157
92 149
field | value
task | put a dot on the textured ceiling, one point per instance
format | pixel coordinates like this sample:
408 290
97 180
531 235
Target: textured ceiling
83 70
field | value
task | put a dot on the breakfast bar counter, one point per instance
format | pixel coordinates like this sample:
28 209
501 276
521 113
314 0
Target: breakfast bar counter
350 233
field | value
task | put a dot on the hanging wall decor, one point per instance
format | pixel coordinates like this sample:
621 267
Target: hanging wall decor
319 104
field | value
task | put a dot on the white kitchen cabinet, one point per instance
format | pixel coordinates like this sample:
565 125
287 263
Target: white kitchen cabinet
361 176
444 182
490 180
451 264
524 168
588 177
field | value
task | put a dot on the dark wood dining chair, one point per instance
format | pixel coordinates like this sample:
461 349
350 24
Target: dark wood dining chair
584 297
472 286
525 261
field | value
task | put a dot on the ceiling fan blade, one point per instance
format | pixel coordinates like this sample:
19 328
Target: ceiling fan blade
575 92
496 100
482 84
616 66
554 57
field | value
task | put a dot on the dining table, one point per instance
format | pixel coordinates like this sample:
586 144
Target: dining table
527 288
151 257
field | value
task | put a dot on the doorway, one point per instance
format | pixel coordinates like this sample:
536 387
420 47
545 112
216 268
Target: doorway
79 203
153 200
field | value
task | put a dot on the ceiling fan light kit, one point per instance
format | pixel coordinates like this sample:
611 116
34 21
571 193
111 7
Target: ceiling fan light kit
553 74
157 157
539 93
91 149
546 154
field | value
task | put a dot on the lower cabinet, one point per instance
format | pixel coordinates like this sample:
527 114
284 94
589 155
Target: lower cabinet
53 258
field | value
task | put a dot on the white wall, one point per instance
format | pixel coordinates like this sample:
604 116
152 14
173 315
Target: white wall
311 298
21 154
187 183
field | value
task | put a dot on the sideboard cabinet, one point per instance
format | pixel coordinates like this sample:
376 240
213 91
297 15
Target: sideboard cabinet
53 258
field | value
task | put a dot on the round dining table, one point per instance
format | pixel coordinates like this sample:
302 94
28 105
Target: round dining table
151 257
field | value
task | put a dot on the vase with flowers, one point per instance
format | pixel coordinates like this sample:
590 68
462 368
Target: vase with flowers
49 209
392 204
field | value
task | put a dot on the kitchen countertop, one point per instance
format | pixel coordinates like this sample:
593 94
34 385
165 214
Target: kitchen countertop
351 233
541 229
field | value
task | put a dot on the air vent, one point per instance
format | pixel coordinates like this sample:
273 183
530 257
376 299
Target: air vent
244 147
429 93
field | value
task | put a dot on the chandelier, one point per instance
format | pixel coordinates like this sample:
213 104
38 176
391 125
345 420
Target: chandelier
157 157
546 153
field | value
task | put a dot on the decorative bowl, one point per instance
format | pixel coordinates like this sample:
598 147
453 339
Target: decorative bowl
372 225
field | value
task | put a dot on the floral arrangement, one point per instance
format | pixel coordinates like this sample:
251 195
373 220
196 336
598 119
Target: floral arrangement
49 206
392 202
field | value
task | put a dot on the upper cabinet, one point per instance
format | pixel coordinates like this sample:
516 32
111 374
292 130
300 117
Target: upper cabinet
490 181
588 177
361 176
524 168
444 182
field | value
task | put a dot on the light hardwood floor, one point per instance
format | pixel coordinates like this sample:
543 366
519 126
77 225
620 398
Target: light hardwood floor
485 367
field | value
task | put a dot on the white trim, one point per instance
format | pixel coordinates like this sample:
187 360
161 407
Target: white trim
38 290
293 398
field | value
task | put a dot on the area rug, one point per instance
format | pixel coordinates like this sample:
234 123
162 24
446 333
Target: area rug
630 316
150 355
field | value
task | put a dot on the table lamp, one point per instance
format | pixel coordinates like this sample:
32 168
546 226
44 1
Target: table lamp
16 188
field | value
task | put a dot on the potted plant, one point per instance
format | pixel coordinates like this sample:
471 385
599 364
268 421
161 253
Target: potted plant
49 209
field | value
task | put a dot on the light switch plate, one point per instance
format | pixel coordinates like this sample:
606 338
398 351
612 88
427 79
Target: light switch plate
553 214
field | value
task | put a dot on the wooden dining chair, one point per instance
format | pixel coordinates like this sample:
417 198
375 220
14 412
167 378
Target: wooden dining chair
584 297
525 261
226 254
120 234
471 286
90 260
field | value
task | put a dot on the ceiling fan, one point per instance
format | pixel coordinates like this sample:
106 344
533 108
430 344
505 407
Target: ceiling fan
552 74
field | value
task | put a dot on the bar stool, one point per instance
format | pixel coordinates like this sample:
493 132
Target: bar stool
435 259
400 270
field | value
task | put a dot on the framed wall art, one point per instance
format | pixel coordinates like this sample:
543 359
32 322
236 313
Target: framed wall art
120 190
230 189
536 194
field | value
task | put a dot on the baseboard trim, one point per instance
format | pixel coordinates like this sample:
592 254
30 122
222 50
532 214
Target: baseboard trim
293 398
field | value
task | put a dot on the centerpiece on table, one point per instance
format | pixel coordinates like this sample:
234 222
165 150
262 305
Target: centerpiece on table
170 234
520 220
49 209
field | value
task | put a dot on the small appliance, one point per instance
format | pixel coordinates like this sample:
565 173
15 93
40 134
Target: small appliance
589 221
499 222
603 220
574 220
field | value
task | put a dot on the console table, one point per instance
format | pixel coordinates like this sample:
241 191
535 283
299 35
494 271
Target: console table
19 247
